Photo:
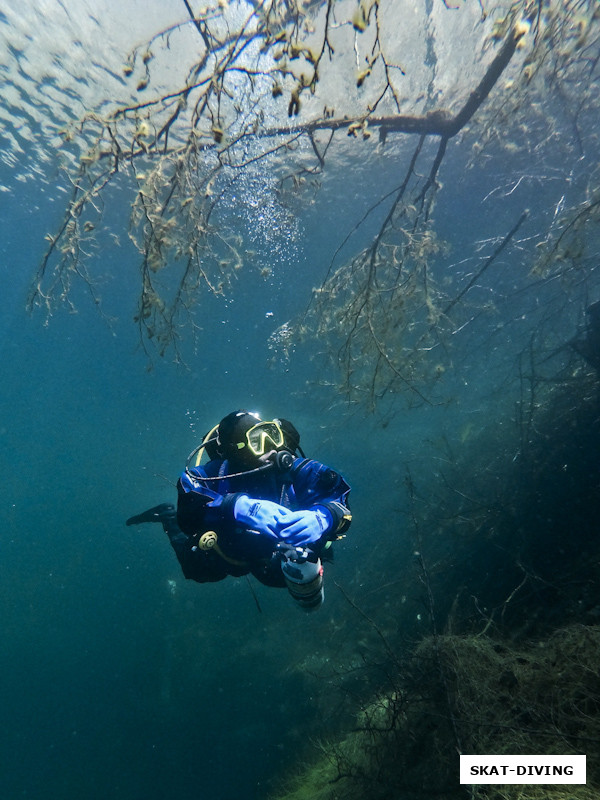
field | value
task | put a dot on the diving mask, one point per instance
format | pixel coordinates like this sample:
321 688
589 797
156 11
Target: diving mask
263 437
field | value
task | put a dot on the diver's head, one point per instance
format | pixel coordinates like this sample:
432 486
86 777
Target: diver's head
244 439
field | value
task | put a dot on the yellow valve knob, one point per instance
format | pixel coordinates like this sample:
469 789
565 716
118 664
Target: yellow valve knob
207 541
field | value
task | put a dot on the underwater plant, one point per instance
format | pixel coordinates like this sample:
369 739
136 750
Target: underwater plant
495 699
233 91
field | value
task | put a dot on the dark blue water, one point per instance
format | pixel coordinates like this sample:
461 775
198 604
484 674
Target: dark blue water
119 678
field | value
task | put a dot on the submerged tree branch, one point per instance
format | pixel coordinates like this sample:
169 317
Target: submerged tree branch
440 122
182 150
488 262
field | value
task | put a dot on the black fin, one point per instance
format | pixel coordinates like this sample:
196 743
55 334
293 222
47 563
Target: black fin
154 514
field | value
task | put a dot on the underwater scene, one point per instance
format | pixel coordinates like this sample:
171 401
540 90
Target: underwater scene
380 220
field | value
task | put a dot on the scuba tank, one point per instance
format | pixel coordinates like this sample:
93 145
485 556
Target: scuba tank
303 574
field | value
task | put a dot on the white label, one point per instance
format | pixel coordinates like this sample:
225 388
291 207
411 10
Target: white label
522 769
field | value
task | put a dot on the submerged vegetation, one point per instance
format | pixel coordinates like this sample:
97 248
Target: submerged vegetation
234 89
507 573
469 694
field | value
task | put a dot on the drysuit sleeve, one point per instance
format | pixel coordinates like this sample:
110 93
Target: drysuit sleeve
318 486
200 507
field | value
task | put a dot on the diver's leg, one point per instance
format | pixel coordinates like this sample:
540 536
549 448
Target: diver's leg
195 564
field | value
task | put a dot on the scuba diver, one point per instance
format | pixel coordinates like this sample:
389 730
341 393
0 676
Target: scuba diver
258 506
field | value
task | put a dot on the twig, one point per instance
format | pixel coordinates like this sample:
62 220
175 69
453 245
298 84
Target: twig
487 263
372 623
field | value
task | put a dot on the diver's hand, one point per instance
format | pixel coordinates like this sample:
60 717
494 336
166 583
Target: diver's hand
305 527
263 516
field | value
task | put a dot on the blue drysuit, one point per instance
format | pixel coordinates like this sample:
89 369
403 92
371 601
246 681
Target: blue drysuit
208 505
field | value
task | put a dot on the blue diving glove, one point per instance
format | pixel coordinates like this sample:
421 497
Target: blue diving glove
263 516
306 527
